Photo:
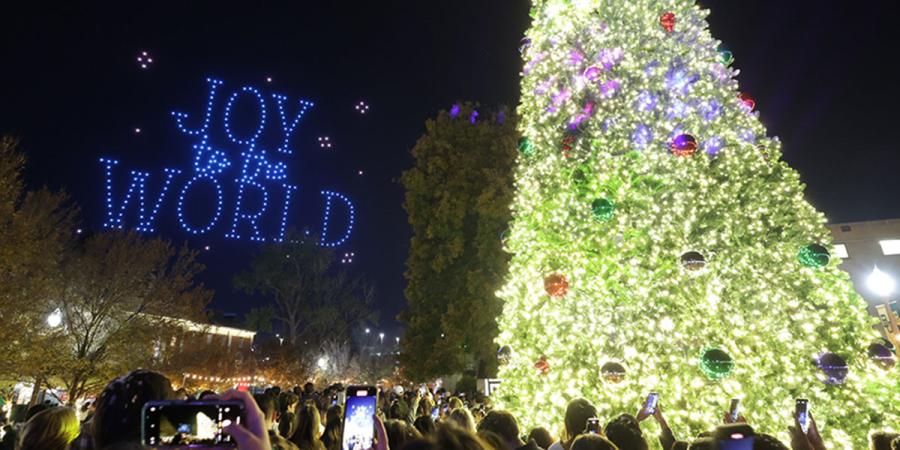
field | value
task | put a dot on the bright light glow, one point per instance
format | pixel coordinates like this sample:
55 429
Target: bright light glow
55 318
880 283
322 363
840 250
890 247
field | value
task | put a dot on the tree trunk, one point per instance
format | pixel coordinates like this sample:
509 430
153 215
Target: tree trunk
36 390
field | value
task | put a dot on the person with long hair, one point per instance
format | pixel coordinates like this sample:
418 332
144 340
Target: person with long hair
306 436
51 429
331 438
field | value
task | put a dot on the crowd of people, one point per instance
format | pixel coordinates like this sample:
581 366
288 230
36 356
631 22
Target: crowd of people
306 419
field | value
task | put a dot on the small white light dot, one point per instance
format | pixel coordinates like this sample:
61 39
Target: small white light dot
137 130
360 172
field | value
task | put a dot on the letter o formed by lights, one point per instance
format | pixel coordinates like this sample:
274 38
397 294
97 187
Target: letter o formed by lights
262 116
181 218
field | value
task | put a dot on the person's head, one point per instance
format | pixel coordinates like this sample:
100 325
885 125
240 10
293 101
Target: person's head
455 402
625 432
767 442
50 429
288 402
592 442
308 423
451 437
399 433
395 411
334 413
309 388
425 425
34 409
493 440
703 443
505 425
577 414
118 415
462 418
680 445
881 440
895 444
541 437
267 404
205 393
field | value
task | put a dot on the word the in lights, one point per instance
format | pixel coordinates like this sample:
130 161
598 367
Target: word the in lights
233 184
880 283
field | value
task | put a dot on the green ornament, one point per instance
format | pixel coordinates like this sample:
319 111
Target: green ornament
814 255
526 147
603 209
726 57
716 364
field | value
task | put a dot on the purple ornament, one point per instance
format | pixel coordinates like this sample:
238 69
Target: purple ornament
679 80
609 88
575 57
713 145
535 60
610 57
544 86
748 136
454 111
584 115
558 99
677 109
592 74
712 110
645 101
834 368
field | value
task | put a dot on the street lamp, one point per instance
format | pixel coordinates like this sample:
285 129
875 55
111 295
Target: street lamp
880 283
381 336
322 363
55 318
368 330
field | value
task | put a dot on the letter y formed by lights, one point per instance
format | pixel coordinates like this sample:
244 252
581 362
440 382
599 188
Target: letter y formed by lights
229 163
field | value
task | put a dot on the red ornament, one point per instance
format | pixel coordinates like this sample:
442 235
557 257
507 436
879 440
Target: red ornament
542 365
567 143
748 101
667 21
556 285
683 145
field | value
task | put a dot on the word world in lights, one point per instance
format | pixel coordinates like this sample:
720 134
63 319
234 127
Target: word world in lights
234 185
880 283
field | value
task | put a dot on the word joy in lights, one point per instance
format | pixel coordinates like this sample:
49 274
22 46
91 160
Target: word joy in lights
254 181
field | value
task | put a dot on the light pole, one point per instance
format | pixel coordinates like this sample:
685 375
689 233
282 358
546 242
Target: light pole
381 336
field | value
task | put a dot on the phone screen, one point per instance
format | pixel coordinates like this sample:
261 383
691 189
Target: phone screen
359 423
593 425
189 424
735 409
803 413
435 413
652 401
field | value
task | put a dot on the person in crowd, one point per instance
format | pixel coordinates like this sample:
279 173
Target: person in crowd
541 437
287 419
592 442
704 443
425 425
763 441
35 409
306 436
10 436
269 408
666 437
680 445
455 403
51 429
578 412
811 440
399 433
895 444
881 440
492 440
331 438
462 418
117 420
504 424
625 432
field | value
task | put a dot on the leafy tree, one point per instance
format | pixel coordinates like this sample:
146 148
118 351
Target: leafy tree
314 300
260 319
457 198
120 296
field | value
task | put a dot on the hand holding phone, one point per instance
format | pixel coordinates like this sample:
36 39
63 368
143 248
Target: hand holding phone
359 418
734 411
179 423
651 404
801 412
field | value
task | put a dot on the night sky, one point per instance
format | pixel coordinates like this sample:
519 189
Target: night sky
72 91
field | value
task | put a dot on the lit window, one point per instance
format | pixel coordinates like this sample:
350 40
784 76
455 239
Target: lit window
890 247
841 251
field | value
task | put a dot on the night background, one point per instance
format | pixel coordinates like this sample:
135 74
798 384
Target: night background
72 91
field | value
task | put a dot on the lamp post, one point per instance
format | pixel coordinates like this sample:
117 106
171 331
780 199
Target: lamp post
381 336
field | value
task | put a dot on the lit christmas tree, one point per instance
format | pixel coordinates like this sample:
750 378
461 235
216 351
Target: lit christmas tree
660 243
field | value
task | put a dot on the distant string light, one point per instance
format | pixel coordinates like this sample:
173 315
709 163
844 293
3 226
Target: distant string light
144 60
137 130
324 142
347 258
362 107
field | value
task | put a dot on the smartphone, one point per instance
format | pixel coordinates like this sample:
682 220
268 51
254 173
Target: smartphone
802 411
435 414
359 418
734 411
593 426
651 403
734 436
177 423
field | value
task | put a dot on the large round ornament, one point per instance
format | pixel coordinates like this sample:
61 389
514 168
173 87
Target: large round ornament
667 20
748 101
504 355
556 285
882 356
592 73
693 261
683 145
834 368
814 255
603 209
542 365
716 363
726 57
524 45
525 146
613 372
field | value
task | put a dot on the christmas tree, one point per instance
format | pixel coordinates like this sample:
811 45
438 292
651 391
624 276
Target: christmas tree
660 244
